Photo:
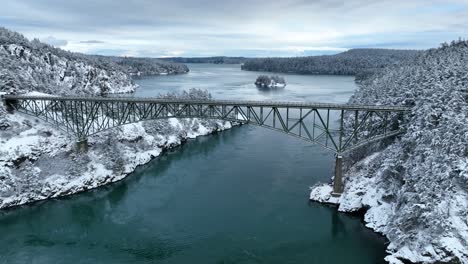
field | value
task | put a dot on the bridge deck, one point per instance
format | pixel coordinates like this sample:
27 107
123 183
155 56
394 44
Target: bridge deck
215 102
85 116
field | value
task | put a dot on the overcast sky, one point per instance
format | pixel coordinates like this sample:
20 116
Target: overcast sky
160 28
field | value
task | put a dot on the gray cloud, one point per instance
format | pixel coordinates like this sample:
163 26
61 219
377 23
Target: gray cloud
92 42
215 27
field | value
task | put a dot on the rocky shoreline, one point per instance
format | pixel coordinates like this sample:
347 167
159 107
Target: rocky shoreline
39 162
414 190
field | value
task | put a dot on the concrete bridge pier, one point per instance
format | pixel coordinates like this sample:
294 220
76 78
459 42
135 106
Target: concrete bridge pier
82 145
338 180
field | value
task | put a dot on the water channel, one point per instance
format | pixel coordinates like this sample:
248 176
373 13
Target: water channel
240 196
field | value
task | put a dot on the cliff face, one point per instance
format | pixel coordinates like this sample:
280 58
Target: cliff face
415 189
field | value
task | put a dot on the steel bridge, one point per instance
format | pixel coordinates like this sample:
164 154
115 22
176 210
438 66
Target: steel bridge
337 127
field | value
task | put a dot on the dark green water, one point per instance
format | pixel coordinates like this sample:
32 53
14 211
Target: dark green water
240 196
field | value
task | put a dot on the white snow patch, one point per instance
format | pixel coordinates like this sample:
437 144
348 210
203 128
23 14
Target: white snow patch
59 170
322 193
38 94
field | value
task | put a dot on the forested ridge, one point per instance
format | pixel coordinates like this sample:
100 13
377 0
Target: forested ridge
215 60
146 66
35 66
415 190
351 62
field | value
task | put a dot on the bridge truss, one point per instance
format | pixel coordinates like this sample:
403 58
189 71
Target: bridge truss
337 127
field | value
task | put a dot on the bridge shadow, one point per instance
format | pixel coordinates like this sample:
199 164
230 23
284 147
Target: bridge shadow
341 228
338 227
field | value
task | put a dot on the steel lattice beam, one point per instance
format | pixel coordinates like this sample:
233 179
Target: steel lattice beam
340 128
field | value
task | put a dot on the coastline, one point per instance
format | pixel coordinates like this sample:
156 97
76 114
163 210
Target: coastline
40 162
414 189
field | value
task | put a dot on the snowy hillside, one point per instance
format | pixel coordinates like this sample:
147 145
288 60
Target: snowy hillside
34 66
38 161
415 190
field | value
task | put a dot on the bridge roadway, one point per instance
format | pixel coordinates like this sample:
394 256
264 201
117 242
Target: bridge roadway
339 127
214 102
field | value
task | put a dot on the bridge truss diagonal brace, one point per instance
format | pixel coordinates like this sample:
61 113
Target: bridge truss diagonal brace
81 116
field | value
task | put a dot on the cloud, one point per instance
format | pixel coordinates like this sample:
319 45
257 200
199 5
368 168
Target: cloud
54 41
92 42
213 27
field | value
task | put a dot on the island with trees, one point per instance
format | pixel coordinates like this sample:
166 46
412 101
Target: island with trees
270 82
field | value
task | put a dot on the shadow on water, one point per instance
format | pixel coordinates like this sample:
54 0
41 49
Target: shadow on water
113 193
85 210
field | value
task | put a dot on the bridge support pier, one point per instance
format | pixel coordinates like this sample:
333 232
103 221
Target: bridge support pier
338 180
8 105
82 145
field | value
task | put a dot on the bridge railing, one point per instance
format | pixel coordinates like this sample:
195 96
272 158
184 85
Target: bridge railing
338 127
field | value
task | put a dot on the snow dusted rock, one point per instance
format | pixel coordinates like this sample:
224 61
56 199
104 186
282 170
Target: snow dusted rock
38 161
415 189
322 193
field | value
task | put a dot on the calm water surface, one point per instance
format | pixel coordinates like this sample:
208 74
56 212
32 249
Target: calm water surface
239 196
229 82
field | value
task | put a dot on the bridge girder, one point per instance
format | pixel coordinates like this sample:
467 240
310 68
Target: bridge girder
340 128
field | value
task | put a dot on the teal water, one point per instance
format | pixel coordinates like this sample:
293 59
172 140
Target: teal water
240 196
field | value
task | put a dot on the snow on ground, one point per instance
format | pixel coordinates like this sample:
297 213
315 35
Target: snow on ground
28 68
35 93
366 186
415 188
322 193
38 161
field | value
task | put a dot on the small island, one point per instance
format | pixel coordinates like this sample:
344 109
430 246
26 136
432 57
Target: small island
264 81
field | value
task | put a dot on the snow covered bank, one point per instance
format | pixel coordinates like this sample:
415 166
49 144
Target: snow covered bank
38 161
415 189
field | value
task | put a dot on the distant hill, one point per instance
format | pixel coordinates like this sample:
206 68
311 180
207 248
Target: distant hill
147 66
352 62
35 66
215 60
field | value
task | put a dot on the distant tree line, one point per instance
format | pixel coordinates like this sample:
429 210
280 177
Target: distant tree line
352 62
146 66
215 60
